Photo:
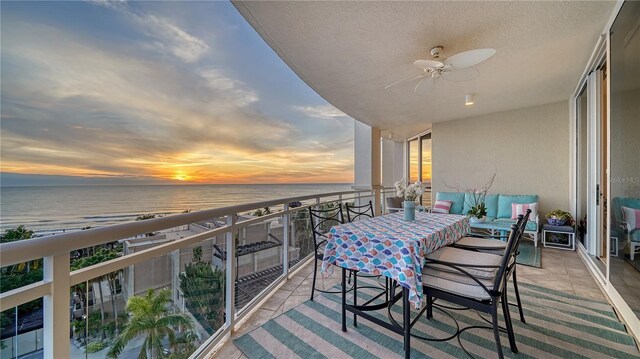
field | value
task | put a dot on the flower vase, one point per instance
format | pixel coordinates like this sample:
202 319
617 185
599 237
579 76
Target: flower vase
409 211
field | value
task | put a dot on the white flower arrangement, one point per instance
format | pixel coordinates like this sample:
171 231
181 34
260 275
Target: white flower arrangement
409 191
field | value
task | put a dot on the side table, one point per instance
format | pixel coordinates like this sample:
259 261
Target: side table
561 237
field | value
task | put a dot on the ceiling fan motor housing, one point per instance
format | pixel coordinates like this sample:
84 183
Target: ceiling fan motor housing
435 52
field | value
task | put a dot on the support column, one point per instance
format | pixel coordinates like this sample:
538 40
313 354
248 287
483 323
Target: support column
368 164
56 307
392 162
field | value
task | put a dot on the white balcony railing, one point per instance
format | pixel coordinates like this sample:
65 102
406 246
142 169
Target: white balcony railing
221 227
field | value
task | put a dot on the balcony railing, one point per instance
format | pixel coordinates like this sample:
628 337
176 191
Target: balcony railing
81 309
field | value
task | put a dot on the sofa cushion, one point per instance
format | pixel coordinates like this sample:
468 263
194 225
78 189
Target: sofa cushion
455 197
441 207
521 209
490 201
505 201
619 202
632 217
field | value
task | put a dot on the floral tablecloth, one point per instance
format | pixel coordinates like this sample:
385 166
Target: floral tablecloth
389 246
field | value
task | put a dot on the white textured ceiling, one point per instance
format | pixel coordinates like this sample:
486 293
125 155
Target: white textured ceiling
349 51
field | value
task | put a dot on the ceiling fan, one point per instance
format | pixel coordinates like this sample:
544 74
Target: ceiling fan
458 67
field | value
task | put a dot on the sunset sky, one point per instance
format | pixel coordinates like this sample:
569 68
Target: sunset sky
159 90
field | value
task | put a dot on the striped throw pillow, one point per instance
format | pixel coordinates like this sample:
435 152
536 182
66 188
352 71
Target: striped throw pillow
518 209
442 207
632 217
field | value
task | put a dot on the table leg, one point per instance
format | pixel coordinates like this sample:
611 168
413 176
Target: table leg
406 311
344 300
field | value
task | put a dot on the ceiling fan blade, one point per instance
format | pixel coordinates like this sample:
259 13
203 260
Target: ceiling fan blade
428 64
424 85
469 58
466 74
406 79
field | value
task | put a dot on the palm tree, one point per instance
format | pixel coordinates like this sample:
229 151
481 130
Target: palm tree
149 316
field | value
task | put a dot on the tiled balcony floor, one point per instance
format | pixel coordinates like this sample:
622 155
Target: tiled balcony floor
561 270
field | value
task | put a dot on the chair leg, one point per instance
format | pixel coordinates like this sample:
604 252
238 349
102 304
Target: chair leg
355 297
344 300
508 325
496 328
315 273
429 306
515 288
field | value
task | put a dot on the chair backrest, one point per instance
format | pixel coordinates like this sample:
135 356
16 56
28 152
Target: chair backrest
508 261
618 203
322 220
394 204
357 212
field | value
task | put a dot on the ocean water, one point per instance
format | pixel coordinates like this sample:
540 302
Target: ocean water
50 209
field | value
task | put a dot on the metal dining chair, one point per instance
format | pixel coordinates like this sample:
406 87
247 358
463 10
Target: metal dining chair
476 282
321 222
358 212
495 245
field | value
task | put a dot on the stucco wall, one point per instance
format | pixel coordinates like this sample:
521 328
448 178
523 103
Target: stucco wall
527 148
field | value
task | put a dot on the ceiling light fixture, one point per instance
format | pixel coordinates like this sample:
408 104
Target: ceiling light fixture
469 99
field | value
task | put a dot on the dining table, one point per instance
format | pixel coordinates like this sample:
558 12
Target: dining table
389 246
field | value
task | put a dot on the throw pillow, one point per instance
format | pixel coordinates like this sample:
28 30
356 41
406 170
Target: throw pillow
632 217
518 209
441 207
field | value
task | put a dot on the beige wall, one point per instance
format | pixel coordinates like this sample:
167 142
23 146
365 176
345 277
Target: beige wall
527 148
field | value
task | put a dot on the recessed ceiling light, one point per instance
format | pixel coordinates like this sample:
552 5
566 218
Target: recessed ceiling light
469 99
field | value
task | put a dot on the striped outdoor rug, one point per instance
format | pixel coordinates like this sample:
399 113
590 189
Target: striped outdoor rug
559 325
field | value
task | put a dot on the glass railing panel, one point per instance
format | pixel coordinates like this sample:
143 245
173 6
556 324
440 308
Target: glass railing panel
21 331
301 238
97 311
21 327
259 257
181 292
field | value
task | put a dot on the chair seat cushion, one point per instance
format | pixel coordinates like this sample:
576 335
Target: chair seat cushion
467 258
455 284
480 243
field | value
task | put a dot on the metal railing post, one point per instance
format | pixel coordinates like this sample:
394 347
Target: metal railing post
230 269
285 241
56 307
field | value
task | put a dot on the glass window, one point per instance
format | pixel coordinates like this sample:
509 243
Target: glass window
413 160
581 170
624 268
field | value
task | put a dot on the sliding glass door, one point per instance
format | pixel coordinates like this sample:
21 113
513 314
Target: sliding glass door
419 166
624 134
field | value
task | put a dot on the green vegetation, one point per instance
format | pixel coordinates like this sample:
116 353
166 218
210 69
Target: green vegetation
150 317
94 347
99 256
203 289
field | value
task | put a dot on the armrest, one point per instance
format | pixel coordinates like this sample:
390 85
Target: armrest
452 264
478 235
